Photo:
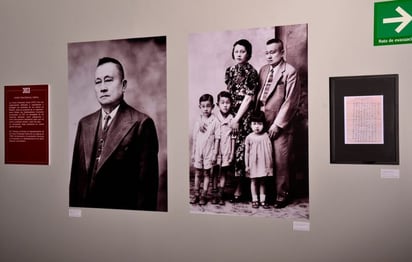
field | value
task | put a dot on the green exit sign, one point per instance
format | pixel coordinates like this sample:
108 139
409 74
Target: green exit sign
393 22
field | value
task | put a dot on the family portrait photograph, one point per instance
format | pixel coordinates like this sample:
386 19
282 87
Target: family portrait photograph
248 122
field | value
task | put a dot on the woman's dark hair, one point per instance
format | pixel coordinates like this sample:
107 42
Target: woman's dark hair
246 44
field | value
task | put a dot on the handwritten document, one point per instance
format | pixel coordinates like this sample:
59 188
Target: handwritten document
363 119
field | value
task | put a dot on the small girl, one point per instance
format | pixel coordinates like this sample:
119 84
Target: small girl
206 137
258 159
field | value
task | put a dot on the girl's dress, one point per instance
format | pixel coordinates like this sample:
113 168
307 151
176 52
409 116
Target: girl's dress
241 80
258 155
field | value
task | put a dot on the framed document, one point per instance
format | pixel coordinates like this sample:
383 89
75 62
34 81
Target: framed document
364 119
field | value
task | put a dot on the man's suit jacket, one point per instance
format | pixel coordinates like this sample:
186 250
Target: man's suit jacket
127 172
283 95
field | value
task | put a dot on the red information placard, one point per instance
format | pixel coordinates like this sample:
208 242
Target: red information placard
26 124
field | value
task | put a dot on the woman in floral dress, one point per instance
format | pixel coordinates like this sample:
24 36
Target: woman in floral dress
242 82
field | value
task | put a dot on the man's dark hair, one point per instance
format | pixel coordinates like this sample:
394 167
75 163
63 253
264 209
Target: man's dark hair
224 94
206 97
105 60
246 44
275 41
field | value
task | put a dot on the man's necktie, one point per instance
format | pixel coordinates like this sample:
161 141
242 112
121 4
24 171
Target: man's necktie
103 137
268 83
100 146
106 122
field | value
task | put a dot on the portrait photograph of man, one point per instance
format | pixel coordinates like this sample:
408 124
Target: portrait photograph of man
117 124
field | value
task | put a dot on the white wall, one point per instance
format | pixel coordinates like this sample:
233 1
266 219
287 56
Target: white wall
354 214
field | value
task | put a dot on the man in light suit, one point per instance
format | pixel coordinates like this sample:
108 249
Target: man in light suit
115 162
278 98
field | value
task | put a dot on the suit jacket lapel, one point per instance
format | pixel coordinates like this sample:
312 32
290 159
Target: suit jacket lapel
119 127
89 135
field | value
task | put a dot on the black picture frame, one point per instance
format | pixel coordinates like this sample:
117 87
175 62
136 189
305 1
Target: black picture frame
385 86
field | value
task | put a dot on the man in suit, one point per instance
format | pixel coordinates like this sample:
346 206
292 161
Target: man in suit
115 161
278 98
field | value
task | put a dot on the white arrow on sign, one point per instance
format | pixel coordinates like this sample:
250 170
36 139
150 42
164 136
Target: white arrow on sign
404 19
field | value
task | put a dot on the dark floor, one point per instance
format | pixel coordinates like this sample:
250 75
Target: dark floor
298 208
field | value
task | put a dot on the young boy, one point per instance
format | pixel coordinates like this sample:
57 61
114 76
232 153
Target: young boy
206 137
227 144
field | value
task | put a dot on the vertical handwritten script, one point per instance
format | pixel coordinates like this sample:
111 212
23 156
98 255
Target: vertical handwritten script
363 116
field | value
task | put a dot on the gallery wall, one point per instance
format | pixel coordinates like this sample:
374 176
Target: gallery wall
355 215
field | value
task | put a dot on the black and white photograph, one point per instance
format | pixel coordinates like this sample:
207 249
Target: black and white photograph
117 124
248 120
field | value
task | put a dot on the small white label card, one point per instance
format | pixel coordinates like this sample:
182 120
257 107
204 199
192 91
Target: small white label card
390 173
301 226
75 212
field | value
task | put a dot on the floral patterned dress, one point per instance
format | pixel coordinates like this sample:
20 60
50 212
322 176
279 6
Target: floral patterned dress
241 80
